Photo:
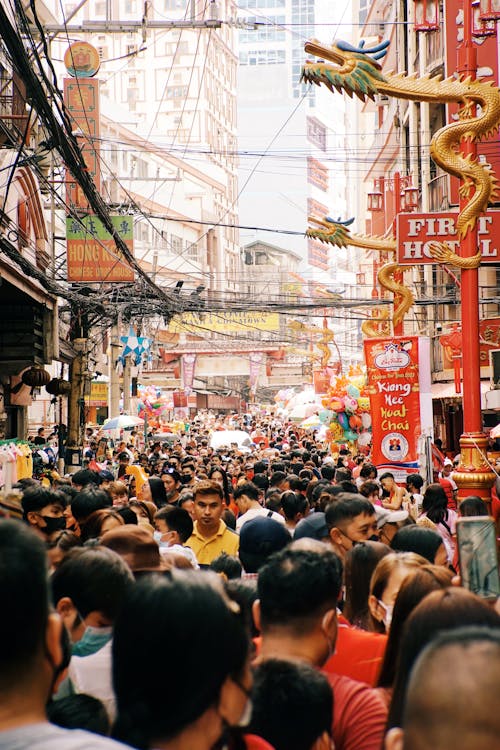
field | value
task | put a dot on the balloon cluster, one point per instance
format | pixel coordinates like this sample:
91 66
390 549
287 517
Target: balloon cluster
347 410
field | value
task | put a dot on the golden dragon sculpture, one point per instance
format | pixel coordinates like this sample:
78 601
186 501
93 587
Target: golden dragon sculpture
337 233
356 70
327 336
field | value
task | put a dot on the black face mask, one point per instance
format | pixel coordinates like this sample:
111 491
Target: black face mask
53 524
186 478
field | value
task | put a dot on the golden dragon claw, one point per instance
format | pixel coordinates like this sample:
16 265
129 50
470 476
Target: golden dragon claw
443 254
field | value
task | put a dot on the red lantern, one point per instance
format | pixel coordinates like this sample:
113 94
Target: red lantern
35 376
426 15
489 10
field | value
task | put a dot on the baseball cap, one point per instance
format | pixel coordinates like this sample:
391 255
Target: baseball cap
389 516
447 462
106 476
259 539
312 527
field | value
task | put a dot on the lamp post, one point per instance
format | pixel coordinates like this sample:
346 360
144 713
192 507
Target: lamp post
473 475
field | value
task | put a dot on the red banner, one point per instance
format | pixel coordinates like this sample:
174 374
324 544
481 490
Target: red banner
188 365
393 384
416 234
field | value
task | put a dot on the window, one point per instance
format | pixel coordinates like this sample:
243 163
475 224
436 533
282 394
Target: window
316 133
176 244
317 173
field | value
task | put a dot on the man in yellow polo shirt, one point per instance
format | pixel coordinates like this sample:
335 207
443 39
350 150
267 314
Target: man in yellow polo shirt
210 535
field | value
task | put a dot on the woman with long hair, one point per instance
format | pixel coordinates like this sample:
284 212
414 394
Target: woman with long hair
385 583
441 610
435 509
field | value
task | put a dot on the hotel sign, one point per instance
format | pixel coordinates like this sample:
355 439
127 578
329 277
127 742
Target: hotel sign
416 234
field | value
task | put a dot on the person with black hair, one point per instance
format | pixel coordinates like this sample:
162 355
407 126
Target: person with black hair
80 711
473 505
33 652
350 519
84 477
327 472
59 545
297 615
43 510
87 590
292 706
212 681
295 507
228 565
173 527
279 480
211 535
246 497
86 502
262 482
423 541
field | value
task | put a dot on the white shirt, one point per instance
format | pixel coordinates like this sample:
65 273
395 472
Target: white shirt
256 513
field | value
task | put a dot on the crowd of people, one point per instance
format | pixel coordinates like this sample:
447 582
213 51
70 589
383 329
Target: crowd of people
189 598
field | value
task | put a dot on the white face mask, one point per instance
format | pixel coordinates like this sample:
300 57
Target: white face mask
246 715
387 619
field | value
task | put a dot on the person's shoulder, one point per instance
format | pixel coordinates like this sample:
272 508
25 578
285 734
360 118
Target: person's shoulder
49 737
346 690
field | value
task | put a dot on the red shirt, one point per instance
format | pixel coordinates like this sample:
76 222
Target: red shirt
358 653
254 742
359 715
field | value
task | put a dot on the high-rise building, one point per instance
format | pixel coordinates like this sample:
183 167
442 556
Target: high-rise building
287 131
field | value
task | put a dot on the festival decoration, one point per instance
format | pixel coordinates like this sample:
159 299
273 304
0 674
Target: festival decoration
138 348
347 405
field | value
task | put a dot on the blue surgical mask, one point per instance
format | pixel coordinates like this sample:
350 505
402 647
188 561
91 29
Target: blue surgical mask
157 536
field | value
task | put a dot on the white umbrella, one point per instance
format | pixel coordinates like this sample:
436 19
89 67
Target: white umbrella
302 411
307 396
311 422
123 422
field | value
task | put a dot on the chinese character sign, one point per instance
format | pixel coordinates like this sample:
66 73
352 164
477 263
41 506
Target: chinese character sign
92 254
393 383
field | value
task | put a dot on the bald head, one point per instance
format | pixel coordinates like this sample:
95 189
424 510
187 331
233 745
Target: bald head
452 694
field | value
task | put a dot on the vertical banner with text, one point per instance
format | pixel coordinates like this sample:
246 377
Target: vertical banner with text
188 365
393 383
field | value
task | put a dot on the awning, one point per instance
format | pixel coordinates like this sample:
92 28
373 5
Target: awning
447 390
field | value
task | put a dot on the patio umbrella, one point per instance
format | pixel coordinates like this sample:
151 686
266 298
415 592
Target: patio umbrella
311 422
123 422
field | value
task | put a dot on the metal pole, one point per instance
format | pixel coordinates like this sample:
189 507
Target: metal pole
474 475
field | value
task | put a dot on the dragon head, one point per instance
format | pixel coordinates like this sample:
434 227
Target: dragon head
328 230
355 70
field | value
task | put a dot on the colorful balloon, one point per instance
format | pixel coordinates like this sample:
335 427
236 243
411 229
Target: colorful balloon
353 391
366 419
355 422
364 403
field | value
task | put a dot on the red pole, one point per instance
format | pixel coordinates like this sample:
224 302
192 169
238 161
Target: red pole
398 329
467 65
474 475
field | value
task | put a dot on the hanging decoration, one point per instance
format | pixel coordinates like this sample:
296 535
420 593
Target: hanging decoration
138 348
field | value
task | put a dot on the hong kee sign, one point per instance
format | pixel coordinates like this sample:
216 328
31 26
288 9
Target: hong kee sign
417 232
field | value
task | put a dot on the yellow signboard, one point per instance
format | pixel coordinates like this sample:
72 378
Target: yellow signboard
224 322
98 394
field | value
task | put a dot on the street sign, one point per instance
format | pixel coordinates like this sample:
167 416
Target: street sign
417 232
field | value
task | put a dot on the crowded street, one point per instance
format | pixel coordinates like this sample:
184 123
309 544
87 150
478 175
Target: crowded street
249 375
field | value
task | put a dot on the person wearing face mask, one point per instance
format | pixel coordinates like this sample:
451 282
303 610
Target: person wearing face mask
173 527
385 583
187 477
350 520
87 590
187 617
33 653
296 613
172 482
43 510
